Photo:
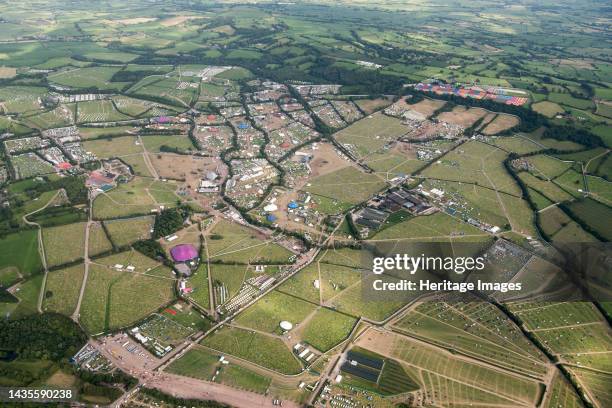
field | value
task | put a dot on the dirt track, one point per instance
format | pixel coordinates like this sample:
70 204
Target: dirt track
191 388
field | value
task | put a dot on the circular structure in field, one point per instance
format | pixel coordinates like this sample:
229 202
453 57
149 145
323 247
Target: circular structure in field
286 326
183 252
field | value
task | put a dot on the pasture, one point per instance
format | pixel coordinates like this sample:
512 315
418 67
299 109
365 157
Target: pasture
370 134
327 328
450 378
62 289
266 351
202 364
234 243
20 251
93 77
115 299
64 244
269 311
113 147
98 241
124 232
343 188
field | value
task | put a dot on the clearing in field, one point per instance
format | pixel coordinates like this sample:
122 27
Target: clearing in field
64 244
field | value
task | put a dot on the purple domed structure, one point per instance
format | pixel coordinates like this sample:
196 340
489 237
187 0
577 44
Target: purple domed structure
183 252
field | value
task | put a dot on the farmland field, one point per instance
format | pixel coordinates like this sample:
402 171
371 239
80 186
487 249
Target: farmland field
125 231
62 289
55 239
116 299
260 349
205 171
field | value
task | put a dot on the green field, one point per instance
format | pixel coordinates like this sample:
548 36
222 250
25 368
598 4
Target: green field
202 364
327 328
55 241
115 299
267 313
268 352
341 189
62 289
20 250
126 231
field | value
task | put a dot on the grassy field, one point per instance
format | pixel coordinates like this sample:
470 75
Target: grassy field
478 330
94 77
202 364
474 162
268 312
99 111
98 241
113 147
562 394
302 283
62 289
138 197
199 283
20 250
28 292
549 109
155 143
116 299
55 240
269 352
595 215
451 378
368 135
438 225
233 243
344 188
327 328
126 231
